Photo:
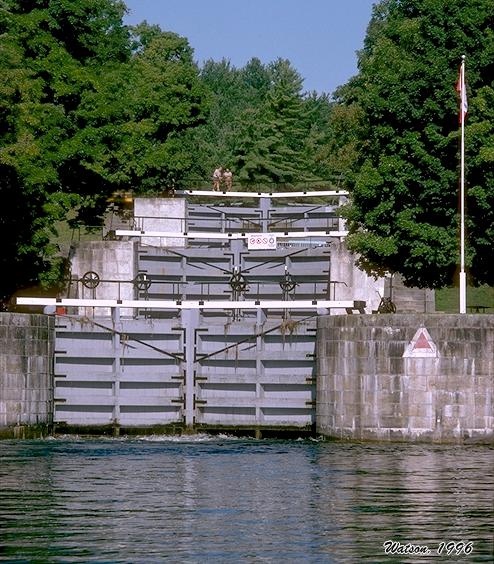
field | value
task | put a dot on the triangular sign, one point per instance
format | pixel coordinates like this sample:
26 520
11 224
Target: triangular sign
422 342
421 346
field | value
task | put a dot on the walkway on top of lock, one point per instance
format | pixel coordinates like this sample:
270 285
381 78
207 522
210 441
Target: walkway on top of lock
304 189
236 194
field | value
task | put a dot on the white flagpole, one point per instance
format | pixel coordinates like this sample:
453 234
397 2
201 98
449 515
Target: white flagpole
463 276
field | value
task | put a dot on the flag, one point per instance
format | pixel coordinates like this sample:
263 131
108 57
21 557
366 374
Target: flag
460 88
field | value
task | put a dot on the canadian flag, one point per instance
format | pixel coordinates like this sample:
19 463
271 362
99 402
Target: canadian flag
460 88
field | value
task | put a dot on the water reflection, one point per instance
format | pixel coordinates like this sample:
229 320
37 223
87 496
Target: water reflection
412 494
224 499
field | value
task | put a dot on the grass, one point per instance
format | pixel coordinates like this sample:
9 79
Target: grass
66 236
448 299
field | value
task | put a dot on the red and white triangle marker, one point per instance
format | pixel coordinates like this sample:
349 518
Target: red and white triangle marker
421 346
422 342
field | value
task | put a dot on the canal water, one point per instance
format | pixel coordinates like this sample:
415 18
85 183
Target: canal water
225 499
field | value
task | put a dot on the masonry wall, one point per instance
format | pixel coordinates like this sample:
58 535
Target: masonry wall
351 283
372 384
115 263
26 375
409 300
161 214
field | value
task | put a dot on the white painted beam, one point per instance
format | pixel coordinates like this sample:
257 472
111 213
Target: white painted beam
192 304
300 194
229 235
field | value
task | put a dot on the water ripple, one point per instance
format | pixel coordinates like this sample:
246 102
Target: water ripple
225 499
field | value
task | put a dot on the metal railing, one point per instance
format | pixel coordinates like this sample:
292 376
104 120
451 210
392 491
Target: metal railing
332 183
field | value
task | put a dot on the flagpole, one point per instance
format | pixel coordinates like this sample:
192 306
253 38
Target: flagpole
463 276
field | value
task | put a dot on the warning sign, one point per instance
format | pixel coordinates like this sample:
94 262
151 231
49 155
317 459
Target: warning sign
257 241
421 346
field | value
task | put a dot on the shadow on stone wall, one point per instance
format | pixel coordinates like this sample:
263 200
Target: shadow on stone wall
26 374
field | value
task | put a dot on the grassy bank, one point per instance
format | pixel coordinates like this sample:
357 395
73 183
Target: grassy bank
481 299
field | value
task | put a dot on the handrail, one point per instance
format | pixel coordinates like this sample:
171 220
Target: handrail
332 182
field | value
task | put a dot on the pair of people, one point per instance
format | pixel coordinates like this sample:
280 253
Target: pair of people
222 178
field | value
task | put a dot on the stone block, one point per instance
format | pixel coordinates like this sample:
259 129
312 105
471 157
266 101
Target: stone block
25 393
392 422
332 348
387 408
422 422
419 397
488 422
370 383
363 349
458 386
162 214
454 411
423 410
369 419
396 365
115 262
392 382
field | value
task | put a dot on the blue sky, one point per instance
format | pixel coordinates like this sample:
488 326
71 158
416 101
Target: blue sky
319 37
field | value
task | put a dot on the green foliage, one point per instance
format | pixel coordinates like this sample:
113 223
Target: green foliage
86 107
447 299
396 127
269 146
89 106
131 120
261 124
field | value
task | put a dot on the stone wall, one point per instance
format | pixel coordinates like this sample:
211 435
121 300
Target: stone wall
415 377
350 283
161 214
409 300
115 263
26 372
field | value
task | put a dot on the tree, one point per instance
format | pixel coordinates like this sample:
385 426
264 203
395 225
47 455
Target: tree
235 94
212 142
261 124
45 70
86 108
130 123
317 114
402 140
272 141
